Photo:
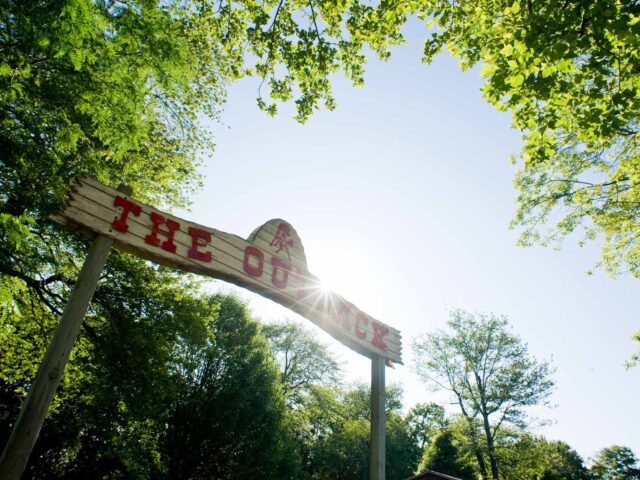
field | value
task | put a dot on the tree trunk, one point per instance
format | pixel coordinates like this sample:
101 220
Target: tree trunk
473 434
490 447
477 451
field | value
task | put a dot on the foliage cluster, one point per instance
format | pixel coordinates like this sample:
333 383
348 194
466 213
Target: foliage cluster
168 382
157 387
569 73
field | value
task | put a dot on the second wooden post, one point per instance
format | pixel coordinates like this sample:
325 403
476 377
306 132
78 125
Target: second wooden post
378 420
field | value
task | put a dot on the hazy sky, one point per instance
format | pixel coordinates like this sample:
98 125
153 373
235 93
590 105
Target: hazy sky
402 198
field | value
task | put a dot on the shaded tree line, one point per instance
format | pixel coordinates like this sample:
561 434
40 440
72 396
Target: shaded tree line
170 383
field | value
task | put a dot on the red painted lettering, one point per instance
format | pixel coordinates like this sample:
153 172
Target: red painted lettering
198 234
153 239
127 206
256 253
361 318
282 266
379 331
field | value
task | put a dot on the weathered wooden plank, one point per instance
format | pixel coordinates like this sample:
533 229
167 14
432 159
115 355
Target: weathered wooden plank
91 215
92 218
272 262
230 264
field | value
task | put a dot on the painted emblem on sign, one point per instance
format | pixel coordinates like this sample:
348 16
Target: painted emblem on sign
282 239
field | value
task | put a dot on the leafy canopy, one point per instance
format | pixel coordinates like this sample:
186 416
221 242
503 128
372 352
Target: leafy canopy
615 463
304 361
569 72
338 444
444 455
523 455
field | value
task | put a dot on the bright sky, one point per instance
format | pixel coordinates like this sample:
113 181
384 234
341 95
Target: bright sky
402 198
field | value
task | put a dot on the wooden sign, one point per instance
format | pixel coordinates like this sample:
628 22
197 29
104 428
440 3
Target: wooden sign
270 262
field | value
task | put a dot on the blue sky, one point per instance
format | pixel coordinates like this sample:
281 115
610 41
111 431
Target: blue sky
402 198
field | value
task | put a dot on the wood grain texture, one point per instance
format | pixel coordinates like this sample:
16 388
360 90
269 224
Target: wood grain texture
272 262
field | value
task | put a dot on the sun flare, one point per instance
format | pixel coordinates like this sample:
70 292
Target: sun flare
324 288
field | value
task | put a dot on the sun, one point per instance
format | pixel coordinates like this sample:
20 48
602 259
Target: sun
324 288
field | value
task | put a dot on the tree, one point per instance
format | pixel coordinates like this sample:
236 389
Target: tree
425 420
521 456
342 454
569 72
615 463
113 402
229 420
303 360
525 456
445 455
338 444
563 463
402 451
489 373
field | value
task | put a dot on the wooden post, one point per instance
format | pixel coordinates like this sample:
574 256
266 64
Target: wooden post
33 412
378 420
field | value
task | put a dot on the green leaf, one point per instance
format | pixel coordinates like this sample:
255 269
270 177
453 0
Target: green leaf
516 80
507 50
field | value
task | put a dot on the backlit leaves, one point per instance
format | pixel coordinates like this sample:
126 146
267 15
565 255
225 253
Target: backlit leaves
569 73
